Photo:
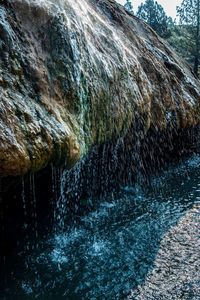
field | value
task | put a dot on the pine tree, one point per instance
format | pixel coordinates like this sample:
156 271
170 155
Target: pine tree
128 5
189 13
153 14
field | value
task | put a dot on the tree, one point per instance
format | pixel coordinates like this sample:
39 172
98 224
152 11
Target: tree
189 13
128 5
180 40
153 14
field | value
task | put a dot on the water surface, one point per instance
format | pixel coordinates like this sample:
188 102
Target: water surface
141 244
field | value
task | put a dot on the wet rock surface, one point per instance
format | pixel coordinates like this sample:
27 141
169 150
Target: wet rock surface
75 74
177 262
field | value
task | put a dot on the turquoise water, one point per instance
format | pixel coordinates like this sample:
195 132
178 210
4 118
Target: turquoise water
142 243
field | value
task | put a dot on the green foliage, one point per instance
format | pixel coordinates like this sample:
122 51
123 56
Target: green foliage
153 14
181 41
189 13
128 5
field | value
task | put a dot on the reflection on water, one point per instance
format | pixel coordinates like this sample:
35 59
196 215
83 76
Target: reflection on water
142 245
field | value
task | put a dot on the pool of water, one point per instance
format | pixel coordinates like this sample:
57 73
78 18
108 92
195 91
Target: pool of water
143 243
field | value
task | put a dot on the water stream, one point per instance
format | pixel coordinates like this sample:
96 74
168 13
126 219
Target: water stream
141 243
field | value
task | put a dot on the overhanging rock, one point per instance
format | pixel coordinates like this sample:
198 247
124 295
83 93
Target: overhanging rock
79 73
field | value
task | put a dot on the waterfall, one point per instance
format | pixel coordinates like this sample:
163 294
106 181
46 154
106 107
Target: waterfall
95 109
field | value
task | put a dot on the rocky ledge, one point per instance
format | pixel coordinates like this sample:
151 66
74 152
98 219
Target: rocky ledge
74 74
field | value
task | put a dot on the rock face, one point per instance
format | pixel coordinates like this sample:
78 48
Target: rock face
78 73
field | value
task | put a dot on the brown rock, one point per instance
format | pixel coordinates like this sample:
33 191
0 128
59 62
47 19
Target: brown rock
77 73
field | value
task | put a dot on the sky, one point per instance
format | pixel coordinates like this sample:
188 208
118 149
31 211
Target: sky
168 5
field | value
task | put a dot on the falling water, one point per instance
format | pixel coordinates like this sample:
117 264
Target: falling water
33 205
56 201
136 243
108 236
24 199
